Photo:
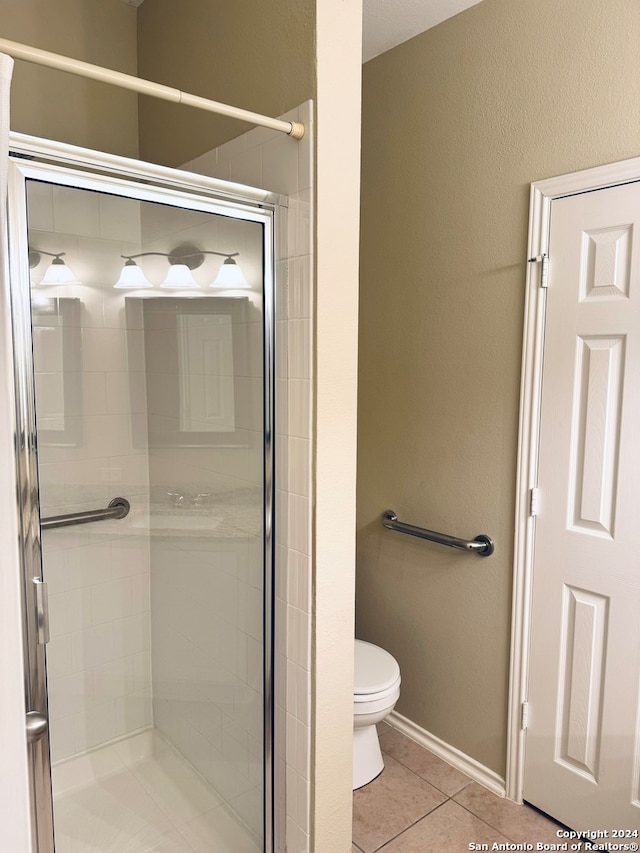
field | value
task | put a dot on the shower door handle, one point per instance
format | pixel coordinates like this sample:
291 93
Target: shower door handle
36 722
42 611
37 725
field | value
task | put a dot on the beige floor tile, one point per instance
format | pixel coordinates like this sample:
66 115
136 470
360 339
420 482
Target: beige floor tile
427 765
519 823
389 804
448 829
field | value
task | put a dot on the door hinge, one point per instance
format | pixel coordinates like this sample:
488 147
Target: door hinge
543 260
524 715
533 501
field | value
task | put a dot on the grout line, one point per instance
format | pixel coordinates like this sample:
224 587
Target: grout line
423 778
486 822
411 825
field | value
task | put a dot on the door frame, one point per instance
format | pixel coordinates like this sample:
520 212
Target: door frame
67 165
542 195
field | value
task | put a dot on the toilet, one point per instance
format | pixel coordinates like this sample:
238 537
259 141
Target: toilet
375 692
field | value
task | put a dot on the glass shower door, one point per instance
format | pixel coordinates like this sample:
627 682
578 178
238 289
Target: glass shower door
148 378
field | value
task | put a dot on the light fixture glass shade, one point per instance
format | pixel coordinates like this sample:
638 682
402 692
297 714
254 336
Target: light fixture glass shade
230 275
59 273
179 276
132 277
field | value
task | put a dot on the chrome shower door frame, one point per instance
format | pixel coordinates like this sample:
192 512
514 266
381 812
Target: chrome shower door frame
63 165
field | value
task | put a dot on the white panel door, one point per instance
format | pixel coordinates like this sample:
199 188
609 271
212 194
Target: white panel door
582 760
206 372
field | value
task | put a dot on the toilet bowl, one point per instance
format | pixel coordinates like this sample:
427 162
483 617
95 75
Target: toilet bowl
375 692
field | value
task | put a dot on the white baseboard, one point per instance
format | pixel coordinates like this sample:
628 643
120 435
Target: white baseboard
460 760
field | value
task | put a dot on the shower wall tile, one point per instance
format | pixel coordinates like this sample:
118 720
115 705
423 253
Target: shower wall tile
228 151
281 165
299 524
118 221
41 206
69 611
246 167
205 619
300 407
300 292
282 339
104 347
301 223
93 647
282 403
60 656
300 348
94 393
305 152
257 137
75 213
282 466
98 261
47 348
298 592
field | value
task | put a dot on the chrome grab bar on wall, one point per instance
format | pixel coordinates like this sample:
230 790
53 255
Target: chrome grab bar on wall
118 508
482 544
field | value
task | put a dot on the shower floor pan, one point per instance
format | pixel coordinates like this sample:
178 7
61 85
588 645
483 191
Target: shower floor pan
137 796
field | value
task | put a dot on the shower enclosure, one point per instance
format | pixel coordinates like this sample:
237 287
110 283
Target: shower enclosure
143 318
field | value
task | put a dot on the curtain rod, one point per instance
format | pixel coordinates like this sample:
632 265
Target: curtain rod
145 87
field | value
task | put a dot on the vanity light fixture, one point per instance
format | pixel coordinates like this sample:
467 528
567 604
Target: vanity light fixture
182 260
179 276
230 275
57 271
131 277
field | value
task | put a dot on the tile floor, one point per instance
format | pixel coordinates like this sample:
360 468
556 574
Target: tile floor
141 796
420 804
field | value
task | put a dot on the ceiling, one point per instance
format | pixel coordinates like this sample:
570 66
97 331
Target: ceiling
387 23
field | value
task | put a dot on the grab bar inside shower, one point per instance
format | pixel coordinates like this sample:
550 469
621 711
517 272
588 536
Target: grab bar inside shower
482 544
117 508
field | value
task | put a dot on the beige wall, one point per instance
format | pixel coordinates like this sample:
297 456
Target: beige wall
456 123
338 122
254 55
60 106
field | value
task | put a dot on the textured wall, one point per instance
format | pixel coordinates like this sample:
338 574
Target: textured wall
456 123
60 106
254 55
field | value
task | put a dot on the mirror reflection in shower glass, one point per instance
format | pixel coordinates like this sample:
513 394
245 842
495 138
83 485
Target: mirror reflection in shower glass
57 358
155 664
196 358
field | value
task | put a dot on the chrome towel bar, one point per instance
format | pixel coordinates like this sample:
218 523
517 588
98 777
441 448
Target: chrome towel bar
118 508
482 544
